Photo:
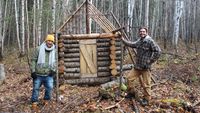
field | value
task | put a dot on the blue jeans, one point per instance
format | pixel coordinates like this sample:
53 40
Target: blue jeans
47 81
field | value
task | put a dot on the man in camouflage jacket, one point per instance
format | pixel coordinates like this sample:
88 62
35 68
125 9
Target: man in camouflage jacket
43 70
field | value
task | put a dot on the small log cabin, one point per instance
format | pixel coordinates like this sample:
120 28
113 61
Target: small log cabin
87 55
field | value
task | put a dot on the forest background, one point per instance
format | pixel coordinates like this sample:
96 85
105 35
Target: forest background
25 23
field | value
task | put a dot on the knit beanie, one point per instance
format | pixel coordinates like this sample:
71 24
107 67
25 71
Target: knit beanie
50 38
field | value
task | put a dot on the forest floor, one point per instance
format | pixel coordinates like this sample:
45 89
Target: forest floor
176 90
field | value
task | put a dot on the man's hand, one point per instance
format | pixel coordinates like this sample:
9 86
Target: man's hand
34 75
52 73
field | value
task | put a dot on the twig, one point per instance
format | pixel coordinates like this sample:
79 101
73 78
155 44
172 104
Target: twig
115 105
196 103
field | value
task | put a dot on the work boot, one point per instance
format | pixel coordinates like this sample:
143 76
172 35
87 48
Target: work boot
45 102
35 106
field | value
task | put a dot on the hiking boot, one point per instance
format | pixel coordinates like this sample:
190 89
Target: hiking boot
144 102
45 102
35 106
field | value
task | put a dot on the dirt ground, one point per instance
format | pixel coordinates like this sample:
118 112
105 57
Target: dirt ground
175 90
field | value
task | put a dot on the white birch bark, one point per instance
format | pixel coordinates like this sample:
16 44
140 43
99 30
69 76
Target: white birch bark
17 25
1 20
131 4
4 28
146 18
54 16
23 28
40 7
27 25
34 23
177 16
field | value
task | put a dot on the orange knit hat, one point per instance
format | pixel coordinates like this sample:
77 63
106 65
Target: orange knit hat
50 38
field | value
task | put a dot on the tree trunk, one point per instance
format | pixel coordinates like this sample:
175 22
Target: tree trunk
1 37
17 25
54 16
40 8
34 23
27 27
23 29
177 16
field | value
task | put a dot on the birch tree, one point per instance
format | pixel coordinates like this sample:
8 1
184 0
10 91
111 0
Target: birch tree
23 28
131 4
177 16
34 23
17 25
27 26
40 7
54 16
1 20
146 17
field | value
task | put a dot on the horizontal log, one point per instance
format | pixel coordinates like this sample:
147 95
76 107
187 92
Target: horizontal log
107 49
103 55
103 44
103 40
103 63
71 45
72 59
71 75
106 58
88 81
69 55
106 53
70 42
103 69
72 64
125 67
72 70
72 50
90 36
103 74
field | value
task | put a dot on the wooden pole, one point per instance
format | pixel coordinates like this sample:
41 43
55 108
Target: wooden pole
57 78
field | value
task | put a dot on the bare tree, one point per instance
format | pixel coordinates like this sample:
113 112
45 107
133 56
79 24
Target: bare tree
177 16
17 25
23 28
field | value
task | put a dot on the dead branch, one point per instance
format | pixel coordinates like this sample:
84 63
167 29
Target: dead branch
115 105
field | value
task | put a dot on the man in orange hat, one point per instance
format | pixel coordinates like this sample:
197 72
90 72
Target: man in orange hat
43 69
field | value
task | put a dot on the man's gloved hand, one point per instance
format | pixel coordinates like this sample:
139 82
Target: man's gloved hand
34 75
52 73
